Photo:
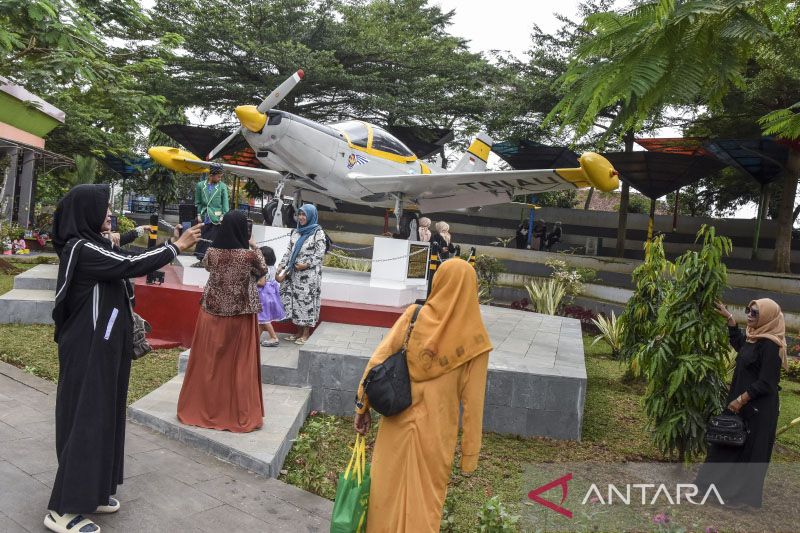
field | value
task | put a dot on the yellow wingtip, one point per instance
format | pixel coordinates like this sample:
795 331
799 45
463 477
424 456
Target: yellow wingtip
174 159
599 171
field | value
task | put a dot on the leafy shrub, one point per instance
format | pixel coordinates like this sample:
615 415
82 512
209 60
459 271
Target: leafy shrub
566 199
572 278
586 317
638 204
793 373
448 522
488 270
546 295
495 518
688 354
520 305
124 224
44 220
652 283
610 332
11 230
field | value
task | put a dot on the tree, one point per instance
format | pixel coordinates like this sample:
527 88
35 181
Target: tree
390 62
162 185
635 56
87 58
685 360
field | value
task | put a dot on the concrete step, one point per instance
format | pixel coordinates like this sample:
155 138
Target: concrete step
27 306
280 365
262 451
40 277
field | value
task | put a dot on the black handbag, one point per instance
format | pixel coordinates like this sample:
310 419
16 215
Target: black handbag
388 384
727 429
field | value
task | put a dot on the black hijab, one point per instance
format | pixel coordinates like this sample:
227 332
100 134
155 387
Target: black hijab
233 233
80 214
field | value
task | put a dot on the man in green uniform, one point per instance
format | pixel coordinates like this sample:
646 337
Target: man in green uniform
211 199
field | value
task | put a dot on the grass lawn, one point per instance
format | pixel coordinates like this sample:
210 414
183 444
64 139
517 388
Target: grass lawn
7 280
31 348
614 431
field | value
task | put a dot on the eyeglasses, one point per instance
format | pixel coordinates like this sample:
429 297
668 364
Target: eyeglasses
750 311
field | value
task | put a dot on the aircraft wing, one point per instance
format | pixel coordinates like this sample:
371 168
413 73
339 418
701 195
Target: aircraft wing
188 163
247 172
595 171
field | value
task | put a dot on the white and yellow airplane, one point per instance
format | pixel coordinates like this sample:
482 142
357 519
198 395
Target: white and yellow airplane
361 163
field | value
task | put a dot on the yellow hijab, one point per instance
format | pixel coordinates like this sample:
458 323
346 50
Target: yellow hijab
449 330
770 326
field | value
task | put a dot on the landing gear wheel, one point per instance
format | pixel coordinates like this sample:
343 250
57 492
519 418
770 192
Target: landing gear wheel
269 214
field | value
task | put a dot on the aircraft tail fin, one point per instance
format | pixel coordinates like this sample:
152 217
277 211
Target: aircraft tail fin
474 159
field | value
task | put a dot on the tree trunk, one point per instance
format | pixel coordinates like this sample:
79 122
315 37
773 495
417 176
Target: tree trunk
588 199
624 200
781 261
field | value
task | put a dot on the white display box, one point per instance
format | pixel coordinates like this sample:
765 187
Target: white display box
388 283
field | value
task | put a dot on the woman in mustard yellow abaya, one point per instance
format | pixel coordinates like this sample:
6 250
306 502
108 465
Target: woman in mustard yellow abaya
448 356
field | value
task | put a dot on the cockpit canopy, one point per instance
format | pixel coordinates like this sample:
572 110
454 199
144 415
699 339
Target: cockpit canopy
364 135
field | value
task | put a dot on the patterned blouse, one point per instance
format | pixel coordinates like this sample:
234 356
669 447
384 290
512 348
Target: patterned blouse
231 288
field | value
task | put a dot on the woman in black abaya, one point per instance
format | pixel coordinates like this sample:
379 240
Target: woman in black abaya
93 329
738 473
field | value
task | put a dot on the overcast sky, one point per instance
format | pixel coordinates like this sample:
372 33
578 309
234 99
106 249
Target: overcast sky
504 24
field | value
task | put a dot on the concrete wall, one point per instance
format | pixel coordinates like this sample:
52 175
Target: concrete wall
491 222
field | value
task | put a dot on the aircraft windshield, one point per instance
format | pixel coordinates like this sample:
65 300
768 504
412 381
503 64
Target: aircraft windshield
356 131
385 141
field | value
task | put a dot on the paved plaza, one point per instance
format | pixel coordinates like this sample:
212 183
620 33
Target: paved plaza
168 486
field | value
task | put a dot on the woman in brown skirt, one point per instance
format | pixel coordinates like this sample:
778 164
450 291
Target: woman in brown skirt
222 385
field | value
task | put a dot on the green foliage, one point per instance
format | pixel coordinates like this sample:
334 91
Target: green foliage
89 59
502 241
652 284
310 470
488 270
611 332
783 122
124 224
638 203
163 186
341 259
686 359
10 230
631 59
448 521
495 518
85 170
566 199
571 278
546 295
793 372
389 62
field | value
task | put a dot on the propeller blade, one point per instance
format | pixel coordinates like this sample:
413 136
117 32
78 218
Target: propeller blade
280 93
223 144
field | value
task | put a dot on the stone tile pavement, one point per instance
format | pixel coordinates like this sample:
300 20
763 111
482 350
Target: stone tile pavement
168 486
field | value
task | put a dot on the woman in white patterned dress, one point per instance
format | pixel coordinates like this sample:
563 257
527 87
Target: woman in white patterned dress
300 273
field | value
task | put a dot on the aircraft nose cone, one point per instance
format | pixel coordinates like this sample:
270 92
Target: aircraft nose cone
251 118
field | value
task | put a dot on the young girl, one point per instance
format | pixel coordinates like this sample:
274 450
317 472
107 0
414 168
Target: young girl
271 306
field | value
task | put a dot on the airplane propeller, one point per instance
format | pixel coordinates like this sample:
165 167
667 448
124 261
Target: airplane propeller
249 114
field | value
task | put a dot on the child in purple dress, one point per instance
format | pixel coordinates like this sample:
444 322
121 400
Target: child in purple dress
271 306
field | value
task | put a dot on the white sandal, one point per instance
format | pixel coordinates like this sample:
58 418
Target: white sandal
112 507
69 523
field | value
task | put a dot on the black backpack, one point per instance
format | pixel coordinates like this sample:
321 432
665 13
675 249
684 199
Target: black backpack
328 242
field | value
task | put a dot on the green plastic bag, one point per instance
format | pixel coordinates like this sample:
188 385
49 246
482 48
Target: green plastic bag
352 493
